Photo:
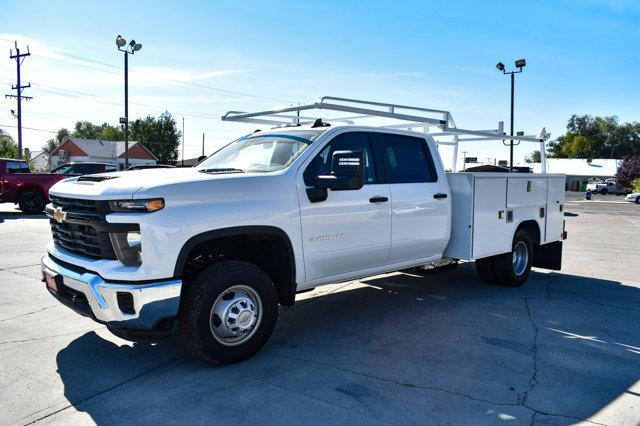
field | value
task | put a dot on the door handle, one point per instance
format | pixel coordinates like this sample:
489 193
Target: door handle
378 199
439 196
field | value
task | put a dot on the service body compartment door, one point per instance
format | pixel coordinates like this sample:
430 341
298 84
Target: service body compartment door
526 192
527 200
555 214
491 232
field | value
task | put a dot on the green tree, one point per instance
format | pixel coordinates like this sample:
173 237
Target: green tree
53 143
105 131
534 157
8 147
597 137
159 135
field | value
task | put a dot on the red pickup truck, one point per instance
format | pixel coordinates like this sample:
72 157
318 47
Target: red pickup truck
19 186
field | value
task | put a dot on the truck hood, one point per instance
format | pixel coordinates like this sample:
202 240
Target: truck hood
119 185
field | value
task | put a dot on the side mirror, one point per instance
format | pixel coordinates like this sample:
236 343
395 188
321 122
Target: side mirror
346 172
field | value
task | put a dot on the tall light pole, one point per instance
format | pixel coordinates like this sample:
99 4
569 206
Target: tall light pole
132 48
520 63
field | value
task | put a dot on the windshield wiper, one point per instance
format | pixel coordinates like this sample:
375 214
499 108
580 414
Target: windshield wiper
222 170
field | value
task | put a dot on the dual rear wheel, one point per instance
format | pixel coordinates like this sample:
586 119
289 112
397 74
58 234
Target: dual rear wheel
509 269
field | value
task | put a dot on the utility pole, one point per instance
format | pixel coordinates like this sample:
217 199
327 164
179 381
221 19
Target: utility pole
202 143
464 159
182 141
18 88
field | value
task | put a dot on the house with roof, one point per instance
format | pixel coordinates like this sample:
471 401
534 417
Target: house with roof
40 160
579 171
77 150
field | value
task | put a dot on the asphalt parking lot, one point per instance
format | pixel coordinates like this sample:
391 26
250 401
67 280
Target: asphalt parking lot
395 348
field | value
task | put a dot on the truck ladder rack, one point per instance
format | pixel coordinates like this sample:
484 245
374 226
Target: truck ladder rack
411 118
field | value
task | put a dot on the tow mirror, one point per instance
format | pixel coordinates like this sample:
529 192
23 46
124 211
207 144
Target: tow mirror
346 172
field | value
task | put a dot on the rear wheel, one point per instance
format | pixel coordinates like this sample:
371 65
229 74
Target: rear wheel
31 202
484 268
512 269
604 191
228 312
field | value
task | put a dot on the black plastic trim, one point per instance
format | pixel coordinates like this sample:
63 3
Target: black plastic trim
238 231
96 221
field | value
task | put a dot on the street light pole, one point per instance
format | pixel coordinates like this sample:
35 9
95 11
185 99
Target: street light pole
126 111
511 127
132 48
520 63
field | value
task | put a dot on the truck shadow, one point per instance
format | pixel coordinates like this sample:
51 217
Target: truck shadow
396 348
19 215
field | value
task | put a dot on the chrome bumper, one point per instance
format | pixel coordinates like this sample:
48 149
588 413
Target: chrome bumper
151 301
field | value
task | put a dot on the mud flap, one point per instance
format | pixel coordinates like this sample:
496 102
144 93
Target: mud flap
548 256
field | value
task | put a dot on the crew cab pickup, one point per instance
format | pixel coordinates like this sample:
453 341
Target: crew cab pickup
19 186
216 248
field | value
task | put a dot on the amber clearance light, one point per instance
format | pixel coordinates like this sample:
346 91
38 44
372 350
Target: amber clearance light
150 205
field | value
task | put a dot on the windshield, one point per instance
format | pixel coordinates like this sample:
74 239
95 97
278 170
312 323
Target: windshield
63 170
260 152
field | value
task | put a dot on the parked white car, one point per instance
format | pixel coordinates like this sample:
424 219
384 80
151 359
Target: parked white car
633 197
216 248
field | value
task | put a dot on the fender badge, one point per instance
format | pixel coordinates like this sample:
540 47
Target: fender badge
59 215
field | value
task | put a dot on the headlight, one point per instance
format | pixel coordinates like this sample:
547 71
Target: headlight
151 205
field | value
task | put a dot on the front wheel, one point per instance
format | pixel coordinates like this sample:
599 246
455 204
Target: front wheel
228 312
604 192
31 202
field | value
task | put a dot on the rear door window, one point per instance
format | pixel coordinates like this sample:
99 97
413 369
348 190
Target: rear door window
406 159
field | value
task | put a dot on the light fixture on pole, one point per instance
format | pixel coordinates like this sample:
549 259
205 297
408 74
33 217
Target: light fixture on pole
520 63
132 48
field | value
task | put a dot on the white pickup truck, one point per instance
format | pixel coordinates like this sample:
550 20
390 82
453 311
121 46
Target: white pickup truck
216 248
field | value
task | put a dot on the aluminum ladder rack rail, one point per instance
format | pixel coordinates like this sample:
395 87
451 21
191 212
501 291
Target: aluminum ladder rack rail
410 117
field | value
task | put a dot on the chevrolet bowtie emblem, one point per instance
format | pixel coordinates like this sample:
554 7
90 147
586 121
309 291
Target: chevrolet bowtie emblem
59 215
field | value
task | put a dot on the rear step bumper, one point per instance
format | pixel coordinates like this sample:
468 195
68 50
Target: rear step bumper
122 305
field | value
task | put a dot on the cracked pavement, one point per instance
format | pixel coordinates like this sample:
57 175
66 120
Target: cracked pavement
395 348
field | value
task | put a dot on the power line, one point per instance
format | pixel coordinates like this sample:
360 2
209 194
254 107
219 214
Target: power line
27 128
165 82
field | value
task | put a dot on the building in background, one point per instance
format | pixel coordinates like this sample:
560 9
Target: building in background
40 160
76 150
580 171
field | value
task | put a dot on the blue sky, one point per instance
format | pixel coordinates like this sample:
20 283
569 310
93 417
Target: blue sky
582 57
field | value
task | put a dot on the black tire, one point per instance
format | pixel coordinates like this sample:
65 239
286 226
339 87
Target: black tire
604 191
484 268
31 202
197 304
504 268
638 199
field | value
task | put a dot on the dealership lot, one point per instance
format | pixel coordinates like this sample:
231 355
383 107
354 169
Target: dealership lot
389 349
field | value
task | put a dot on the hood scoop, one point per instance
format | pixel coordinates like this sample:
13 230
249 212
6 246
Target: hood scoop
95 178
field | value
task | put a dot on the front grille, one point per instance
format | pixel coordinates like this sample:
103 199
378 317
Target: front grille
79 205
82 238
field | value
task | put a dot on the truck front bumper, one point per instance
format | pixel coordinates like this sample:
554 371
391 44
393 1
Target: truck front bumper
120 305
